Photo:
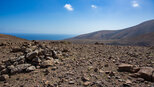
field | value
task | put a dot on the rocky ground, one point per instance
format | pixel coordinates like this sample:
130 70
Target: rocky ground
63 64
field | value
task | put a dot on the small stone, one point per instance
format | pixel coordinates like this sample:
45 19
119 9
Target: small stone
85 78
112 74
86 83
140 79
36 60
17 49
37 67
126 85
46 71
19 68
4 77
31 68
96 70
153 77
47 63
117 77
49 58
107 72
120 80
5 71
71 82
7 85
2 67
56 61
54 68
106 65
128 81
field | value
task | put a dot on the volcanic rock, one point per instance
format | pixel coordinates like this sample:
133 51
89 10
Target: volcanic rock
127 68
146 73
31 68
85 78
19 68
47 63
31 55
86 83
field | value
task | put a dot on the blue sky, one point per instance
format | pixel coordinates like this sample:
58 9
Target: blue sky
72 16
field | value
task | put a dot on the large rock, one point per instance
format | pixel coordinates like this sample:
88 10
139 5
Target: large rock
36 60
31 68
128 68
18 68
31 55
47 63
146 73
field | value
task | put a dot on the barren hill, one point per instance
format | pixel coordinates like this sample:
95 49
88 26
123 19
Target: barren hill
4 37
135 31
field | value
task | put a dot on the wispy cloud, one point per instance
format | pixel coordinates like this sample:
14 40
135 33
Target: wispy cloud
135 4
69 7
93 6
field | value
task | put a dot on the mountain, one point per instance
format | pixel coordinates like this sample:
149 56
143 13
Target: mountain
135 31
143 40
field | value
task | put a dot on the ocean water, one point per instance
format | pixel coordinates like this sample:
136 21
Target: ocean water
42 36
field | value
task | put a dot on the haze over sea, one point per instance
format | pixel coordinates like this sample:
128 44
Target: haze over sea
41 36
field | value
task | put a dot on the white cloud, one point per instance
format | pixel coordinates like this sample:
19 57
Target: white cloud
135 4
93 6
68 7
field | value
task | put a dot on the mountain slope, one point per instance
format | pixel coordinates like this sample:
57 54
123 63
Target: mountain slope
145 39
4 37
141 29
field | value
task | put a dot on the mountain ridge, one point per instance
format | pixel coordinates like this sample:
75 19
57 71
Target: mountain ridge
140 29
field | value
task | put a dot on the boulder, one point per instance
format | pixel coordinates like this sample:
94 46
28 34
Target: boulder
146 73
128 68
36 60
31 55
47 63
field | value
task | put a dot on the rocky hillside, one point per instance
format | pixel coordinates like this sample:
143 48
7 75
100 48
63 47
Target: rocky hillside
63 64
4 37
131 34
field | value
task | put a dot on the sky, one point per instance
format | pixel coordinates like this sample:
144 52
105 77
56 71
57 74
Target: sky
72 16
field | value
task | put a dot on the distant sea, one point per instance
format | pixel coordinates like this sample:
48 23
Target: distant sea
42 36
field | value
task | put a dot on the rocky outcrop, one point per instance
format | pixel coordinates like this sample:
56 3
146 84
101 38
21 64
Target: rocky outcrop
34 57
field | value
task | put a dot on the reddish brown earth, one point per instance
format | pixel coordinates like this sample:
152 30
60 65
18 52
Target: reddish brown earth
75 65
141 34
4 38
